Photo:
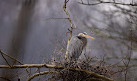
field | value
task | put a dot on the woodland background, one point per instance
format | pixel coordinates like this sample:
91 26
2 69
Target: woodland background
33 31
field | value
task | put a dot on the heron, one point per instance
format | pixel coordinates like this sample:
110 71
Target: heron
76 45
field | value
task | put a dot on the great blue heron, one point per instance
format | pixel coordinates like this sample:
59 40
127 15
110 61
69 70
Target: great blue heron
76 46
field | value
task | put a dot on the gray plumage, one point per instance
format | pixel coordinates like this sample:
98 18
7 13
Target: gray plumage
76 46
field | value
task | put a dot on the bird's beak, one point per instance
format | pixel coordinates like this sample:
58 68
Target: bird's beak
89 37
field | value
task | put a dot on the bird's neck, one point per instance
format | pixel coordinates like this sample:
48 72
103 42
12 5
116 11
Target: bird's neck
83 39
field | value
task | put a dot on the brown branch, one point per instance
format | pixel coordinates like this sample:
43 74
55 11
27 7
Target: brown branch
65 10
29 66
55 67
106 2
38 74
71 27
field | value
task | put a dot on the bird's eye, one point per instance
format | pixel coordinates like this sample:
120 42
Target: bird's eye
79 37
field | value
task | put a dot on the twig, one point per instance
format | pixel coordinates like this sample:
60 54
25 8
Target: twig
2 53
129 58
5 59
28 72
55 18
38 74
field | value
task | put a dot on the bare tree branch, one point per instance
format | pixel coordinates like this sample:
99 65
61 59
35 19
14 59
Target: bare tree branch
38 74
107 2
71 27
30 66
5 59
55 67
2 53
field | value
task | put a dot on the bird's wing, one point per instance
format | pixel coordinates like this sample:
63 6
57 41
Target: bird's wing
75 48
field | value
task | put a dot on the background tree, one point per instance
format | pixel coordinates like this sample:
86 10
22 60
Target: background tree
39 29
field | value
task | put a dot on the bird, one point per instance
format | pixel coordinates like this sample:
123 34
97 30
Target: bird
76 45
